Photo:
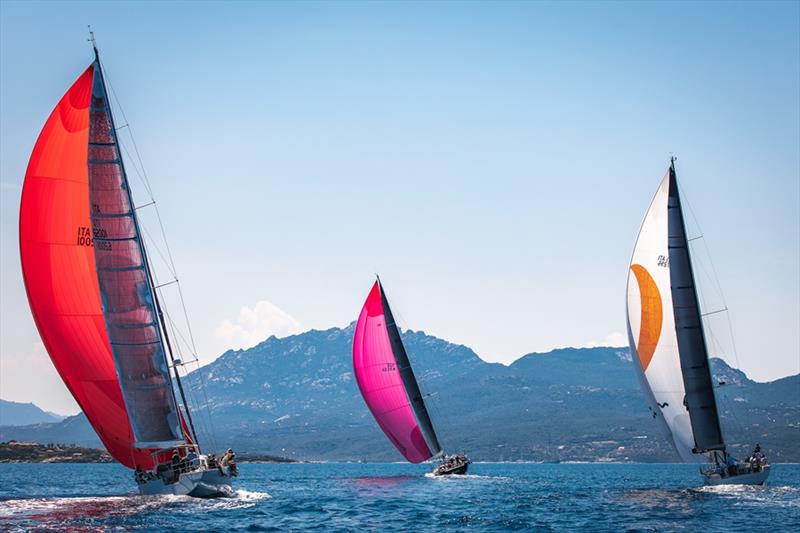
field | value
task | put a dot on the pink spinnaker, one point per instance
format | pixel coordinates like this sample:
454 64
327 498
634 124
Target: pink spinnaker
381 383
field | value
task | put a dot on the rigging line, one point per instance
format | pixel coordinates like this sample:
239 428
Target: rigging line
718 285
172 329
202 380
154 244
443 421
159 293
146 182
202 420
702 274
136 169
175 281
178 368
141 165
168 260
186 314
705 245
181 337
189 346
714 312
727 404
738 425
163 337
205 419
209 424
719 349
130 130
210 427
175 272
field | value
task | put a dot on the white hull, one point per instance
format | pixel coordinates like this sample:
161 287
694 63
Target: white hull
750 478
199 483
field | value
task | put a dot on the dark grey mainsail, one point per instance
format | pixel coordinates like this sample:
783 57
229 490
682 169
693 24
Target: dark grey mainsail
409 380
130 305
700 400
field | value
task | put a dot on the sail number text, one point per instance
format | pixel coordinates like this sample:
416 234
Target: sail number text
87 235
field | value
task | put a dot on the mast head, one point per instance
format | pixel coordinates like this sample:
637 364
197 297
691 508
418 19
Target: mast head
94 43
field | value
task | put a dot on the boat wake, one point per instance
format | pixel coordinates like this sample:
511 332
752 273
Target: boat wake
466 476
57 513
50 510
250 496
782 496
730 489
237 499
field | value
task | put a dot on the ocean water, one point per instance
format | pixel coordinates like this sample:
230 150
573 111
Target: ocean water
401 497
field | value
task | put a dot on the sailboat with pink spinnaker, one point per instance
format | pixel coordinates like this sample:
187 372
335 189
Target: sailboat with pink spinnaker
390 388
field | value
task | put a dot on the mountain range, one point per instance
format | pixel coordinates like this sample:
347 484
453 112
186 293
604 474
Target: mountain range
18 414
296 397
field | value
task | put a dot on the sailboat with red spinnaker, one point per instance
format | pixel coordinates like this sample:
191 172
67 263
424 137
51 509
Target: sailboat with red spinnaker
91 291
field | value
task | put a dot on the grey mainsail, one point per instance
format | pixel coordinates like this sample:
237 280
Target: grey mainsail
699 400
128 298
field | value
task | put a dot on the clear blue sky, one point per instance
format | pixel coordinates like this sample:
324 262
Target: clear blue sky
492 161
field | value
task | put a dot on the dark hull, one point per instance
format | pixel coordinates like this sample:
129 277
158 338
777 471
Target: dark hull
459 470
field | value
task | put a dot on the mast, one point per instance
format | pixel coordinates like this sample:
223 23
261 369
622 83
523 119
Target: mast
145 260
408 377
699 400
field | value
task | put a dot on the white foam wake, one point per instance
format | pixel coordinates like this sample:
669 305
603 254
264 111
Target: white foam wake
464 476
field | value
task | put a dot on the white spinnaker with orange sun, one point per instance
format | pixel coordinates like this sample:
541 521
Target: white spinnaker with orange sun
651 326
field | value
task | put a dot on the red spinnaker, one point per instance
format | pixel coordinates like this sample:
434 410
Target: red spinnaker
381 384
59 270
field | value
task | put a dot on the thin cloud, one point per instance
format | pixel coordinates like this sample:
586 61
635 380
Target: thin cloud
254 324
615 339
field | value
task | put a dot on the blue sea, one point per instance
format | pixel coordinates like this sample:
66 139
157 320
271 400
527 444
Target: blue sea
401 497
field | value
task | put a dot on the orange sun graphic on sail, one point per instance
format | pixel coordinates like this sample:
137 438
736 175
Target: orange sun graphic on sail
652 315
